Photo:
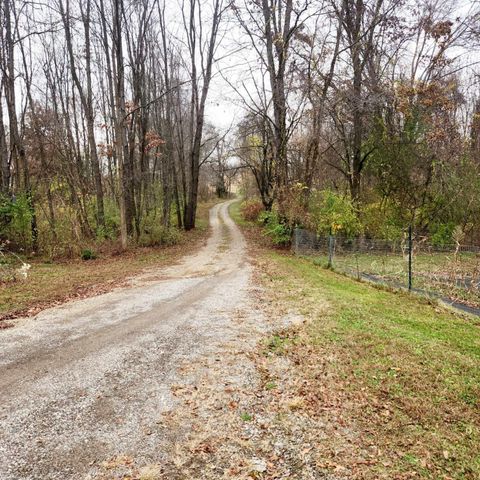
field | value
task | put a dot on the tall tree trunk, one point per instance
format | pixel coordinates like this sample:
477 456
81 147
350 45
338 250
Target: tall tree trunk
121 141
277 38
17 147
199 99
4 157
86 98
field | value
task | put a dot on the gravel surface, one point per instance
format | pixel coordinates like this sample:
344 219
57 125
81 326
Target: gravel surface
94 379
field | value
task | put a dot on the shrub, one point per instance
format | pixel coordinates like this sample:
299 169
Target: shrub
293 205
332 213
159 235
251 210
442 234
277 229
112 222
88 254
153 233
16 221
383 221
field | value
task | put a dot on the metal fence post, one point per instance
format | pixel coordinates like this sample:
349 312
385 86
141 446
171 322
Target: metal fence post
295 241
410 257
331 248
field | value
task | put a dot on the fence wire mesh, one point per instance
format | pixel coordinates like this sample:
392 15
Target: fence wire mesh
451 272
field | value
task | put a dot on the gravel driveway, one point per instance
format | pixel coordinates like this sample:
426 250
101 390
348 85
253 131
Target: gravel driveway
92 380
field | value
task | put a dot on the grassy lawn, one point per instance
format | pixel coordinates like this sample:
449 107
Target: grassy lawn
456 277
234 210
390 383
407 373
51 283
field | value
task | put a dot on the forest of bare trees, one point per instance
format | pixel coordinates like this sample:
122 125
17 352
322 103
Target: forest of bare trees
103 115
381 102
364 111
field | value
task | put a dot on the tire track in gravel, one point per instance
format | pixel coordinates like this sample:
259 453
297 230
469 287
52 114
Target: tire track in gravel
90 380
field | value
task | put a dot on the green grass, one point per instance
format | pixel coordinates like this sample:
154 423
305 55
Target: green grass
234 210
435 272
396 352
246 417
278 343
405 373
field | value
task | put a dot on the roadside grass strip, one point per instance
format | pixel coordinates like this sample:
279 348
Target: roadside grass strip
406 373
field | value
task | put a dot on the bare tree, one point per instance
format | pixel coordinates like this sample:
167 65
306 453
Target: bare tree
17 149
202 56
86 95
271 26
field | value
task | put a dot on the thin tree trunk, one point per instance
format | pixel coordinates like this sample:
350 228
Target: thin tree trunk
86 99
121 142
4 157
17 147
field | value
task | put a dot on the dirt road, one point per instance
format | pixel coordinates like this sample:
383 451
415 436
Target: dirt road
89 381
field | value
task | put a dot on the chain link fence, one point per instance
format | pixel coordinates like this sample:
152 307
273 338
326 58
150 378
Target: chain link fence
450 272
